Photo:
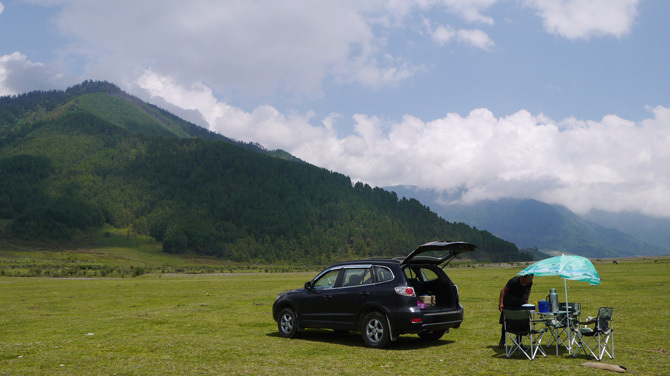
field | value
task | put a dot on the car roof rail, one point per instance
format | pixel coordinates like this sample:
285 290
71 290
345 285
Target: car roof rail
384 258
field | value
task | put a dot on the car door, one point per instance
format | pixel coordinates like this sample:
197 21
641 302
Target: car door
353 294
316 305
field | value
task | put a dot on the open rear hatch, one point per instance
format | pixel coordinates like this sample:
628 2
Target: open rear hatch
438 253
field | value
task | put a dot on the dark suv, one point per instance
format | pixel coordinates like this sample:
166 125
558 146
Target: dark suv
380 297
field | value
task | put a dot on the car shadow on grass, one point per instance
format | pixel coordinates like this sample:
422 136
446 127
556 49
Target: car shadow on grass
404 342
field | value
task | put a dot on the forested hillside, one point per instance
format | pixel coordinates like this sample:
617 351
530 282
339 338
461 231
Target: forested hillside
76 160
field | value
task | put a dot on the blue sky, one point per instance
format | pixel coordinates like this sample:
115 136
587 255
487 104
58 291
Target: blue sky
564 101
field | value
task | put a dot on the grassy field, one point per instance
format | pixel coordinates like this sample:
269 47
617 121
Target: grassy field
179 324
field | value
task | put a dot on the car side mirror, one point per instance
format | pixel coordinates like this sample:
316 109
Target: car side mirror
308 285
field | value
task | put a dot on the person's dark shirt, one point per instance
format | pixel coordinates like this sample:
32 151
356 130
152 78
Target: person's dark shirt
515 296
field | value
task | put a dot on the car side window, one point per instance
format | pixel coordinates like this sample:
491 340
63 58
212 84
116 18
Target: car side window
356 277
383 274
428 275
327 281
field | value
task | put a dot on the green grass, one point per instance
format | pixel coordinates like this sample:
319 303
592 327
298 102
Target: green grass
221 324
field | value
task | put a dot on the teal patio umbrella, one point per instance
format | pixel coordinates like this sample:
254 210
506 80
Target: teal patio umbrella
576 268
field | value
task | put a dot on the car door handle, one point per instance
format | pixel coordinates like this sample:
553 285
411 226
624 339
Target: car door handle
365 293
327 297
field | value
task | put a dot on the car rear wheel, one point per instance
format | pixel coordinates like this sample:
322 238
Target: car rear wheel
288 323
431 335
375 330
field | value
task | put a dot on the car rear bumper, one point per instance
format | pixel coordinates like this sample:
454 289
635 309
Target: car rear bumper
415 320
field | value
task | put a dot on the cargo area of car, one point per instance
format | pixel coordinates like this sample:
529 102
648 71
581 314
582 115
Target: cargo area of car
443 291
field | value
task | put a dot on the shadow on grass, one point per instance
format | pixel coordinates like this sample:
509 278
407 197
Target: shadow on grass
404 342
499 352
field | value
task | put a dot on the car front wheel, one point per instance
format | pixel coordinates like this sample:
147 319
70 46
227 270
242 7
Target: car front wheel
375 330
288 323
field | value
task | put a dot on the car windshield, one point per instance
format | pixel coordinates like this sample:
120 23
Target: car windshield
327 280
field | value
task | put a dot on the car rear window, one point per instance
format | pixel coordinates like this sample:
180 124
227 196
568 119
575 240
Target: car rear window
383 274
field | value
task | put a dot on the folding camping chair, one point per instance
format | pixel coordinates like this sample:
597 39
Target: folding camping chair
561 324
575 311
601 334
518 324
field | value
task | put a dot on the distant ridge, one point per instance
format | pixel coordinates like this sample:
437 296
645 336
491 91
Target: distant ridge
531 224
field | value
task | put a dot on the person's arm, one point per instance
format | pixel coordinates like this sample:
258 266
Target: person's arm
502 296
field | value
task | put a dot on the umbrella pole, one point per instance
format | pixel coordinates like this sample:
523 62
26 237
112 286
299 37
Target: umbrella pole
567 308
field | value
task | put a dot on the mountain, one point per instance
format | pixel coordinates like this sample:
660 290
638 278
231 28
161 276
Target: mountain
93 156
107 102
651 229
531 224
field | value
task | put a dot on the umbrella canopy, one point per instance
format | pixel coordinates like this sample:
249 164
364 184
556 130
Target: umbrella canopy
575 268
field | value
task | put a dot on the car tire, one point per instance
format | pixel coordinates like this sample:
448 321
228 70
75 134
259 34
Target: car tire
375 330
431 335
287 323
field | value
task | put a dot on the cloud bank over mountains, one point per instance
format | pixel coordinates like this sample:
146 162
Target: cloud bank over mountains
251 70
613 164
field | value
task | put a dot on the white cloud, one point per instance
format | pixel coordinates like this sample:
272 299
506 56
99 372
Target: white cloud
443 34
611 164
253 48
470 10
19 75
476 38
265 124
575 19
196 97
2 8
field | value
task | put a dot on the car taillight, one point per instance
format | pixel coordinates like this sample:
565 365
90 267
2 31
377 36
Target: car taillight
417 320
405 291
